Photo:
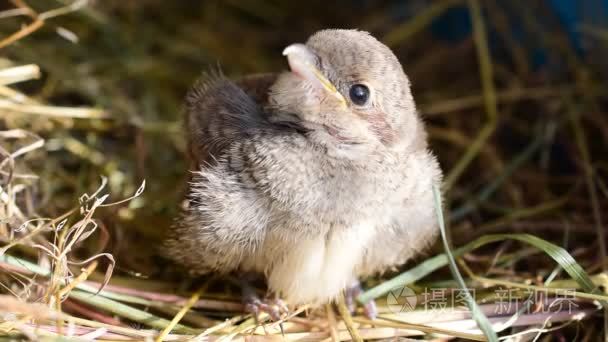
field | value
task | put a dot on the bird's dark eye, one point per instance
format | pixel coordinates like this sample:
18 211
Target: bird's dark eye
359 94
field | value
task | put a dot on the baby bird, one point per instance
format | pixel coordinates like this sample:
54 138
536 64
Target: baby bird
315 177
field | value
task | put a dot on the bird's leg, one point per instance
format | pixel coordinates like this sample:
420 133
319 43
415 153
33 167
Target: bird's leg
271 304
351 294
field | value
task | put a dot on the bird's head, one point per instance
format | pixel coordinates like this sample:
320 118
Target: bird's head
347 91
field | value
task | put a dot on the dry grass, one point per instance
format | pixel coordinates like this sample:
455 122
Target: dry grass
90 100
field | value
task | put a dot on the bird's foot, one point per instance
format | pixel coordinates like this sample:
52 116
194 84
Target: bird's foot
351 294
274 307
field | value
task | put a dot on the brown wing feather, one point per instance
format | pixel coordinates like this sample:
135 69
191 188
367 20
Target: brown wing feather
257 85
219 111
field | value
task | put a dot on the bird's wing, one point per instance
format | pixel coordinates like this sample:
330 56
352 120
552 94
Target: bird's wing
220 111
220 217
257 86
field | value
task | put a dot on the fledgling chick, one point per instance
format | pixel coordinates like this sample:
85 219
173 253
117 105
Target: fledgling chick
315 177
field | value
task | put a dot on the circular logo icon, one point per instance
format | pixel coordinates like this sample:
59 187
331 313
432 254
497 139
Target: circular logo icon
401 299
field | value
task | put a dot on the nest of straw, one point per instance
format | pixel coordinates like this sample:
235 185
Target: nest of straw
91 169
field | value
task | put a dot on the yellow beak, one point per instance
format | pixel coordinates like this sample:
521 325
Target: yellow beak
302 61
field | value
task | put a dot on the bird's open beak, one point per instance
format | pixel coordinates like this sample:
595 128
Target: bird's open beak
302 62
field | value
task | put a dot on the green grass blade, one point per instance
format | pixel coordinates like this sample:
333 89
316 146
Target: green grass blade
560 255
482 321
126 311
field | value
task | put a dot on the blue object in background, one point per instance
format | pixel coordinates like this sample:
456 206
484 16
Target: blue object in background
574 16
453 25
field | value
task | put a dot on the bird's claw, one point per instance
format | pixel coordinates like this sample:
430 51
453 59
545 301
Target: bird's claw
274 307
352 292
